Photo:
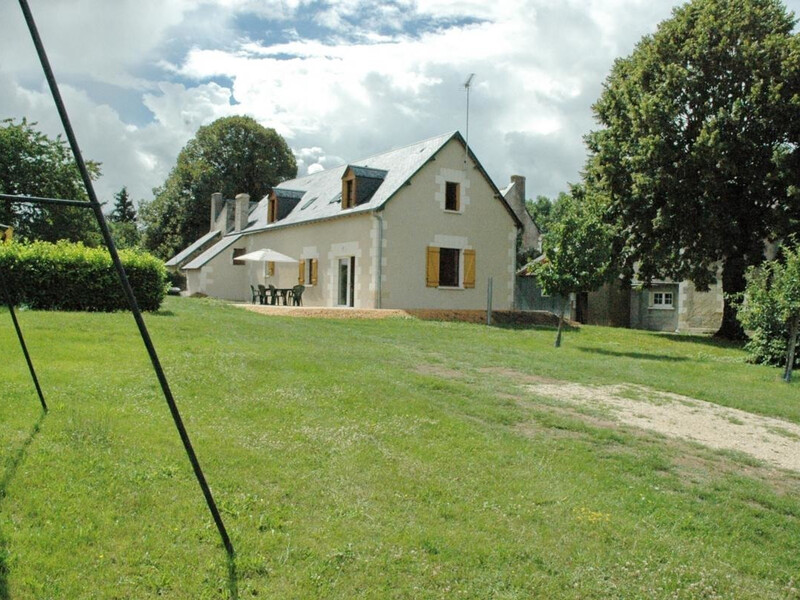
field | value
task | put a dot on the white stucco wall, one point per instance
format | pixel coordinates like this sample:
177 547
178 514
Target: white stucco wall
325 241
415 219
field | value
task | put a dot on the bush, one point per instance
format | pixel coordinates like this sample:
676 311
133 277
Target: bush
67 276
771 303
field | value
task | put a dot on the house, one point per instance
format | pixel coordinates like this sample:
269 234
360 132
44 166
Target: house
421 226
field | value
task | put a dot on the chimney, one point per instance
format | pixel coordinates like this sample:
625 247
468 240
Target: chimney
519 187
216 207
242 211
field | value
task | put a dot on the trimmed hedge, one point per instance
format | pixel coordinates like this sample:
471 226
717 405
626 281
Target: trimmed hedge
68 276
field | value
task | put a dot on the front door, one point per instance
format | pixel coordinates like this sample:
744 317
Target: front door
346 281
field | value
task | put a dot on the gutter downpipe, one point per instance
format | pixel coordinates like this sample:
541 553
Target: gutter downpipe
379 270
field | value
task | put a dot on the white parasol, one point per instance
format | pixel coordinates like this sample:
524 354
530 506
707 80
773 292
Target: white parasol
267 255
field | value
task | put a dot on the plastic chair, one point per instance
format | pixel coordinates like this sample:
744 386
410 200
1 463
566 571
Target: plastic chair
273 294
256 295
262 294
297 295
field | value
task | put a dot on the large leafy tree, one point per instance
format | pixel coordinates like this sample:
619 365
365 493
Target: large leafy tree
232 155
700 132
33 164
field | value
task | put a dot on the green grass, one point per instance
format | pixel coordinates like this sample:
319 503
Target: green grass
376 459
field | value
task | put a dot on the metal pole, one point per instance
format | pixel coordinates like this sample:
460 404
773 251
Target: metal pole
137 315
37 200
489 302
10 304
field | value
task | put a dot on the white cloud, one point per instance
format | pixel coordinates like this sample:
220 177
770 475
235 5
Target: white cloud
370 77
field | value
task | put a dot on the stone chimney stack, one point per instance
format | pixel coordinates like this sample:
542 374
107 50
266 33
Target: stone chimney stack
216 207
519 187
242 212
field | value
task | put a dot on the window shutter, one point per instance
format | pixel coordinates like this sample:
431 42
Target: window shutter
469 268
301 275
271 268
314 263
432 275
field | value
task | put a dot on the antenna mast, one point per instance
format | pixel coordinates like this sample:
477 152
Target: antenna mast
467 85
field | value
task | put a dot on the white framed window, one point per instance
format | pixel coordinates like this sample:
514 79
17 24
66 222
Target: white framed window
662 300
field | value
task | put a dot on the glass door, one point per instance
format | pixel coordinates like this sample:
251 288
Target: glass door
346 281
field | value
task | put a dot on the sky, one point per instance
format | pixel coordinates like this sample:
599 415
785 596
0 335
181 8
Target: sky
340 80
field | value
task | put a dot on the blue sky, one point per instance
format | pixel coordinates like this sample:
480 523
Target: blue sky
340 80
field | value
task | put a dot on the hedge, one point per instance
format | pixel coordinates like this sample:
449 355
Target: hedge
68 276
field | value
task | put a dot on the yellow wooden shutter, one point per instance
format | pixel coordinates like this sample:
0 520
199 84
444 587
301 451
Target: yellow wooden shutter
314 263
432 275
469 268
271 268
301 275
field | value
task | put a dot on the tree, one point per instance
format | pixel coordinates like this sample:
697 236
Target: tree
33 164
771 309
577 253
544 211
123 222
699 135
231 155
124 210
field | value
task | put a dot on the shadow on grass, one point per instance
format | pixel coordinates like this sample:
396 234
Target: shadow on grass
705 340
636 355
233 578
161 313
12 465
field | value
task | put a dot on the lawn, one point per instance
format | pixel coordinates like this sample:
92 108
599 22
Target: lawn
376 459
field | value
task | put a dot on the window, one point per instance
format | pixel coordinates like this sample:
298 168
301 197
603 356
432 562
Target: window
662 300
237 252
349 192
448 267
272 210
269 269
451 196
444 268
307 272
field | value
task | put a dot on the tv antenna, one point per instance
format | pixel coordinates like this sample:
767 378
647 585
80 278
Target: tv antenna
467 85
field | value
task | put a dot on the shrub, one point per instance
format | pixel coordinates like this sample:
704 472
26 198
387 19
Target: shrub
67 276
771 309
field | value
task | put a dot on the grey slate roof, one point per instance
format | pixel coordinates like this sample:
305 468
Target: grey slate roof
206 256
395 166
184 254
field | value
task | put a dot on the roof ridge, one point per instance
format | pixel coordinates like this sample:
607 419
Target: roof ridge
448 135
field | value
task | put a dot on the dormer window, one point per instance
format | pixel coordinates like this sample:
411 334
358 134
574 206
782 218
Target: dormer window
349 191
452 196
272 209
281 203
359 185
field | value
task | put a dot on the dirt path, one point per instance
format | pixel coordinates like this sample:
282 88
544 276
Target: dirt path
772 440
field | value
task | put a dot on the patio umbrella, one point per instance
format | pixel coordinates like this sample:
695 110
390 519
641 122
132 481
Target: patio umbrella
267 255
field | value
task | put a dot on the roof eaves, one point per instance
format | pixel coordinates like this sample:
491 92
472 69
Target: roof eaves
212 252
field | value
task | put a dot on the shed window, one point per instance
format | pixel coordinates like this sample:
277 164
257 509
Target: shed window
662 300
451 196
